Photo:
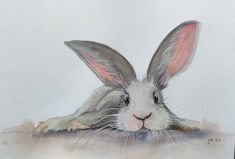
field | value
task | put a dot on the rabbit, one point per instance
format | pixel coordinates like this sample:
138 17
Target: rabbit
126 110
124 102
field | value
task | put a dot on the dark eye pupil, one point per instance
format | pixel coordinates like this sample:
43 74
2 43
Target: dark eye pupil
155 98
126 100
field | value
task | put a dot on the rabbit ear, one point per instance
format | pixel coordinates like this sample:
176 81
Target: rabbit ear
174 53
109 65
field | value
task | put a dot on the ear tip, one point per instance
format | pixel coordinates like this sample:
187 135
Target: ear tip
71 42
66 43
191 23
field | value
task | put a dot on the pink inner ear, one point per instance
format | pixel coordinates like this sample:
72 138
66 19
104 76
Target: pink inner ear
102 71
185 40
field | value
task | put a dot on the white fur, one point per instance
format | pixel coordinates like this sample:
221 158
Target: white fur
142 104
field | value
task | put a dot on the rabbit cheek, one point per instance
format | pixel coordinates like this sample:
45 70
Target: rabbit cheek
159 121
128 123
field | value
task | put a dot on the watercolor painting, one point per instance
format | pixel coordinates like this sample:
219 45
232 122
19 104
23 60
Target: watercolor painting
126 115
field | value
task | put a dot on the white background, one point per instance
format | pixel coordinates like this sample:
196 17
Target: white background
41 78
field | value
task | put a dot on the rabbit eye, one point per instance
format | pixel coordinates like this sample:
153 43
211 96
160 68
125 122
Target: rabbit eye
155 97
126 99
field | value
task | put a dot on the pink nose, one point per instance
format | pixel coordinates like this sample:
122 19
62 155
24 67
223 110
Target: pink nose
142 118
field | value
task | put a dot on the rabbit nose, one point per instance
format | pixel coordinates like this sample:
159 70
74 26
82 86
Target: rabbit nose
142 118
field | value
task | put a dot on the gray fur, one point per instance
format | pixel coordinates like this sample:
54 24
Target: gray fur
94 115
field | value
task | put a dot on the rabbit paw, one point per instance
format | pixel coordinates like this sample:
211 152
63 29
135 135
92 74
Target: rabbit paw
58 124
41 128
75 125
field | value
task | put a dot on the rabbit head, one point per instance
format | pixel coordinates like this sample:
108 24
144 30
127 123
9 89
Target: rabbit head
141 105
